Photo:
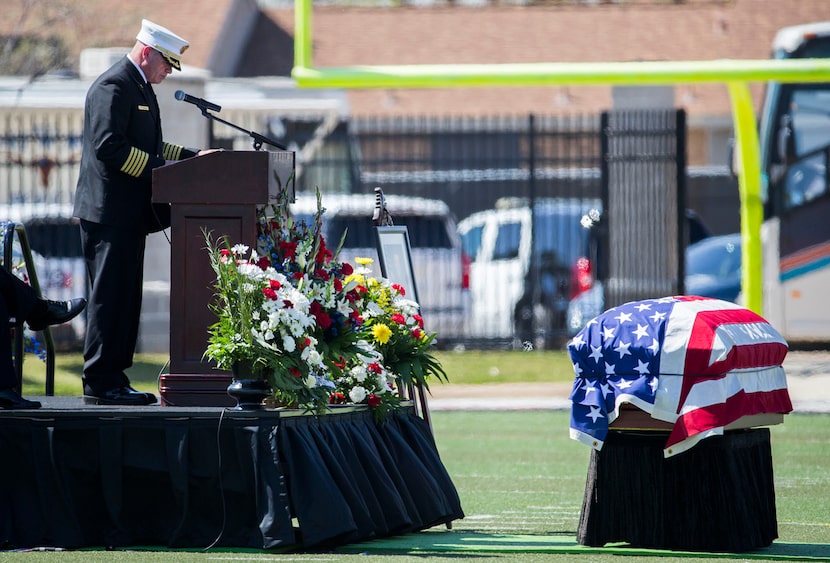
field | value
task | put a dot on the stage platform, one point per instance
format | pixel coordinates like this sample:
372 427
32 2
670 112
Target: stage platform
76 475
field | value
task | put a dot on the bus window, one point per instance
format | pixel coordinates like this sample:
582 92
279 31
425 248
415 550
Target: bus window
810 130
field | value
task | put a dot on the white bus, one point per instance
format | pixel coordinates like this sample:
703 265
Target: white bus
795 146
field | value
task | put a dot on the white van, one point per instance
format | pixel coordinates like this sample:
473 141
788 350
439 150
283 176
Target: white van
514 297
435 247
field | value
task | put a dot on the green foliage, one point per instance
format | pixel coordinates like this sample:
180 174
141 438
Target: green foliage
27 55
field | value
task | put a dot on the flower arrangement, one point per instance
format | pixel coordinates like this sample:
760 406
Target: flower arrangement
321 331
265 324
393 324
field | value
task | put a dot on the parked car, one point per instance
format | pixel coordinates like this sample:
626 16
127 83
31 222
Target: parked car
435 248
713 269
520 267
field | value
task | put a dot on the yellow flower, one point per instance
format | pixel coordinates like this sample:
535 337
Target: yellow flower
356 278
382 333
364 261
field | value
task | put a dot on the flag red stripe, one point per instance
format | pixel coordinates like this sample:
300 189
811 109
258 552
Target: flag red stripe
701 340
722 414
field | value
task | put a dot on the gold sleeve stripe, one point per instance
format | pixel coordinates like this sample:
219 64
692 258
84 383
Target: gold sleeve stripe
135 163
172 152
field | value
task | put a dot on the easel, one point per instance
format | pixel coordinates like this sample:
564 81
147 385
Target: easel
382 219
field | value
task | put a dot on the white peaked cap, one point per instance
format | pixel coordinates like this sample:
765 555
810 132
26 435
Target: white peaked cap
170 45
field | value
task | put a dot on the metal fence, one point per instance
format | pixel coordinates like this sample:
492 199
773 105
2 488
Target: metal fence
521 190
40 152
518 191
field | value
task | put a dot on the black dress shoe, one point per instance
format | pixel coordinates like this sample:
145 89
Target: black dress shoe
11 400
57 312
122 396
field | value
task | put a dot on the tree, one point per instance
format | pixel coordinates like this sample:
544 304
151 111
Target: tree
28 45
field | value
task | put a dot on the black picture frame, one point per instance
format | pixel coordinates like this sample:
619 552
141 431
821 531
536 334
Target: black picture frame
395 256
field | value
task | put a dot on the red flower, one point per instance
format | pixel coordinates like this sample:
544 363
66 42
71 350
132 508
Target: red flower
287 304
374 367
263 263
399 288
269 293
225 252
419 319
340 364
338 285
398 318
295 371
297 275
337 399
322 274
323 318
275 285
289 249
324 255
373 400
347 269
416 333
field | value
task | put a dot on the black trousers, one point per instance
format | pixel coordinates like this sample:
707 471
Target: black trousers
115 265
18 300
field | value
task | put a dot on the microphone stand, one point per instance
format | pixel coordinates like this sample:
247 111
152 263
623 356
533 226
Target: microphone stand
258 139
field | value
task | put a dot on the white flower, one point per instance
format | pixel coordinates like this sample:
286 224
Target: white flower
312 356
288 343
310 381
239 249
359 373
383 385
407 307
251 271
357 394
373 310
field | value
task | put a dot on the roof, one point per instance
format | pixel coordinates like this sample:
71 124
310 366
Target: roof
103 23
364 204
232 34
590 32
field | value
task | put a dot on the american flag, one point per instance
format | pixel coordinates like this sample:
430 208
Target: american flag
695 362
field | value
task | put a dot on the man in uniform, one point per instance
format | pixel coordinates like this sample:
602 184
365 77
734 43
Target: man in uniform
122 144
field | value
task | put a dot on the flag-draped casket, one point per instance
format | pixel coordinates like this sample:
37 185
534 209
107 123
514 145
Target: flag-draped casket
695 363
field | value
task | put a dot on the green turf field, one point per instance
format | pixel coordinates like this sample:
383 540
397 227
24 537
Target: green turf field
471 367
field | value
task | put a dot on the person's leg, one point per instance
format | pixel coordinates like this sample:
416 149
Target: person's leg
115 263
23 304
9 397
19 298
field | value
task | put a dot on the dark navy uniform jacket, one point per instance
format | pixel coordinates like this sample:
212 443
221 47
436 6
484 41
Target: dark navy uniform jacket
122 143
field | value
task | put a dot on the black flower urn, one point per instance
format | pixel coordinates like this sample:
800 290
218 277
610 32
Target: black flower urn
249 387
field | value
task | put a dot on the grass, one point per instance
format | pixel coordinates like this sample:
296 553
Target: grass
470 367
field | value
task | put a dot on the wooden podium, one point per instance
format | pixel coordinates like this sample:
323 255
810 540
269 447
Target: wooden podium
217 193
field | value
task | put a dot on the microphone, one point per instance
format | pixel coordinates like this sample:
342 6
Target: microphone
198 102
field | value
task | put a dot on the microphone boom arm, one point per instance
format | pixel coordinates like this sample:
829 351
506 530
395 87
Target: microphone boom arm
258 139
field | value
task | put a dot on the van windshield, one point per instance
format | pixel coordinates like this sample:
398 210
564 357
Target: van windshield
424 232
